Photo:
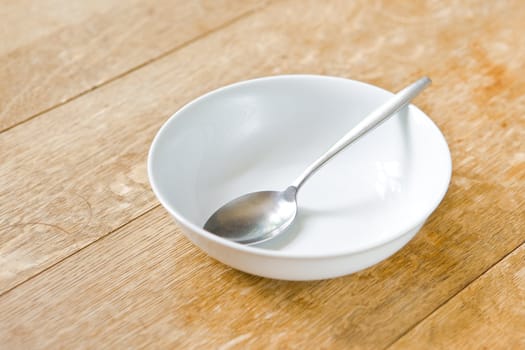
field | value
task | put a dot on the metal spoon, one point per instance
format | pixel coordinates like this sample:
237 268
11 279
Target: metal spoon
260 216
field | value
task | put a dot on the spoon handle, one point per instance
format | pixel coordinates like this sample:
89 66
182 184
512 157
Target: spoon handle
401 99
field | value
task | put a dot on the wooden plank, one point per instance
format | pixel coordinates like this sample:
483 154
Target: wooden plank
79 173
54 50
488 314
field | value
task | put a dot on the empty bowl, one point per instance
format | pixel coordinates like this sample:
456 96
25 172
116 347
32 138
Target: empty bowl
359 209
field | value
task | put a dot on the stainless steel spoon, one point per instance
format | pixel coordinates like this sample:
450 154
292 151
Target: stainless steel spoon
260 216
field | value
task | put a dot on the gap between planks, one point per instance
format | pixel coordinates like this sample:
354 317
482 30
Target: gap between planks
79 250
452 296
139 66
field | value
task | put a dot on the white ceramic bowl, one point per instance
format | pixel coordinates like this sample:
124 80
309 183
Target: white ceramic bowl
362 207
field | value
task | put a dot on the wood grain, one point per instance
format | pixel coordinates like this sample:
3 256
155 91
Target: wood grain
54 50
147 286
77 173
488 314
26 21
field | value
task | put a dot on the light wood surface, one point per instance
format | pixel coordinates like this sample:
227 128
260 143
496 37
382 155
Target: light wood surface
88 258
55 50
86 175
489 311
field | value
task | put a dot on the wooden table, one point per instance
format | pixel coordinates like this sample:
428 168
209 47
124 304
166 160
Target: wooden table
88 258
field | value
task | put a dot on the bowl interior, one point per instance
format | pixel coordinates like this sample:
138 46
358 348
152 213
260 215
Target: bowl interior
261 134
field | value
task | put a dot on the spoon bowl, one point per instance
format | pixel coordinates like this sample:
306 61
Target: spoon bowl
255 217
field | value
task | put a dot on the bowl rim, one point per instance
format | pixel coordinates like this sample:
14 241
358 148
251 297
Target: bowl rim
410 224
